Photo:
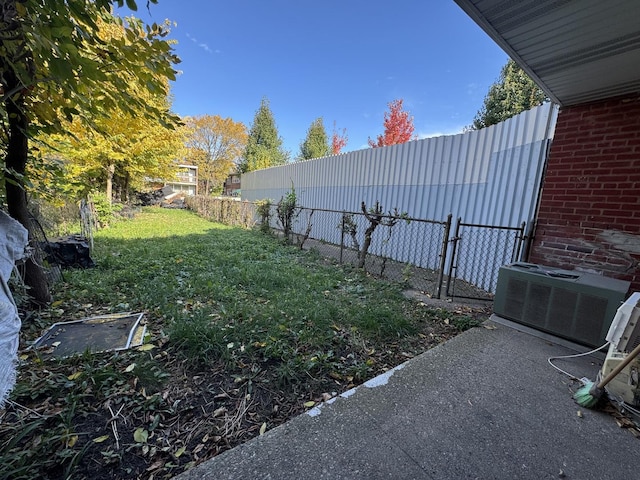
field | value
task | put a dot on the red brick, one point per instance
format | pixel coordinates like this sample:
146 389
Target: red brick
619 213
615 150
630 200
610 192
622 161
565 198
615 178
611 137
555 191
631 157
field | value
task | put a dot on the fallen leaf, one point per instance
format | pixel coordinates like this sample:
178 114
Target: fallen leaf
219 411
100 439
130 368
199 447
140 435
55 344
72 441
263 428
146 347
490 327
309 404
155 465
180 451
73 376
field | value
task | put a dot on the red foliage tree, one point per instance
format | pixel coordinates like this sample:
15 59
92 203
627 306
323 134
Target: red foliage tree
398 126
338 140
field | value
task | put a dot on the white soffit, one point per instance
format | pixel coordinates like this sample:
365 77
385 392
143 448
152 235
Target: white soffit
577 51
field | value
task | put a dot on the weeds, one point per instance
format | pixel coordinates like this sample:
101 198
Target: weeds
459 320
263 209
287 211
244 332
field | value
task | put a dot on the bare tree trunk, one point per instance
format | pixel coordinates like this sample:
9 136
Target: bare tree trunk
111 169
125 188
16 163
366 244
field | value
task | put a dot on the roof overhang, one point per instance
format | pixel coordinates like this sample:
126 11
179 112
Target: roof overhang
577 51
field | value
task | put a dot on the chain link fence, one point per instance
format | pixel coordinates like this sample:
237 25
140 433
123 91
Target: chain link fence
424 255
392 246
229 211
478 251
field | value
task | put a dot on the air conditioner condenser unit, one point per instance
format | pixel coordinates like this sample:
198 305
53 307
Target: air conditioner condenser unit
570 304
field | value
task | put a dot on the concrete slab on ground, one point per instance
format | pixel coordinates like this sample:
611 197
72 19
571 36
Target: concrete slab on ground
484 405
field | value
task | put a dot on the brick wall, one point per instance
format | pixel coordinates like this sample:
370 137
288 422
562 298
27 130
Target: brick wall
589 217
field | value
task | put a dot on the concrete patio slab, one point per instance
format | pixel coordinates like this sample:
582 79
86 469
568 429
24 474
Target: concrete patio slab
484 405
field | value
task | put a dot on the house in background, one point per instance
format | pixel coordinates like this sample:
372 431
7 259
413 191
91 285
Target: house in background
585 55
231 185
186 180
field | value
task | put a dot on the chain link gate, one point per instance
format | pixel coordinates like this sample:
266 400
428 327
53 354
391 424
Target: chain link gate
478 252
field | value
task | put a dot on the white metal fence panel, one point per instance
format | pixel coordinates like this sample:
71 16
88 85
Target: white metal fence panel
490 176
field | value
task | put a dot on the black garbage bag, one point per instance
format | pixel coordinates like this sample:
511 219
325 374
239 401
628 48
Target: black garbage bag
69 252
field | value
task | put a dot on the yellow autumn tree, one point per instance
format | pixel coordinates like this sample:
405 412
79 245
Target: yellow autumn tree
55 64
121 149
214 144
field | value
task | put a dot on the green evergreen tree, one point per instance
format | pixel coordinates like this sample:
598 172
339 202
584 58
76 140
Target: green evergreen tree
264 146
316 144
512 93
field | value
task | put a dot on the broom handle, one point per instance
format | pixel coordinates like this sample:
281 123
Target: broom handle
634 353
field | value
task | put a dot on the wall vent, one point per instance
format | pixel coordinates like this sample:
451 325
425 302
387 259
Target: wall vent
574 305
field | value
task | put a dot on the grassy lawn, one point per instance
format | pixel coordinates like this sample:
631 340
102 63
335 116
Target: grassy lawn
245 333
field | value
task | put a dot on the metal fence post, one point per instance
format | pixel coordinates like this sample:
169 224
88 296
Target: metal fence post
342 237
520 238
455 239
443 254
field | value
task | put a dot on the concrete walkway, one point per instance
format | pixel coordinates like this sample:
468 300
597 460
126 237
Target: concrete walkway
484 405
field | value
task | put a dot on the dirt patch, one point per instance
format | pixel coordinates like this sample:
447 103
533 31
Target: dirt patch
146 414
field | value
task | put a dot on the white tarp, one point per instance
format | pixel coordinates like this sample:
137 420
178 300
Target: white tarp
13 240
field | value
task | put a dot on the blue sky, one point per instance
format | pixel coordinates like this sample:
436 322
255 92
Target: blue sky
343 61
